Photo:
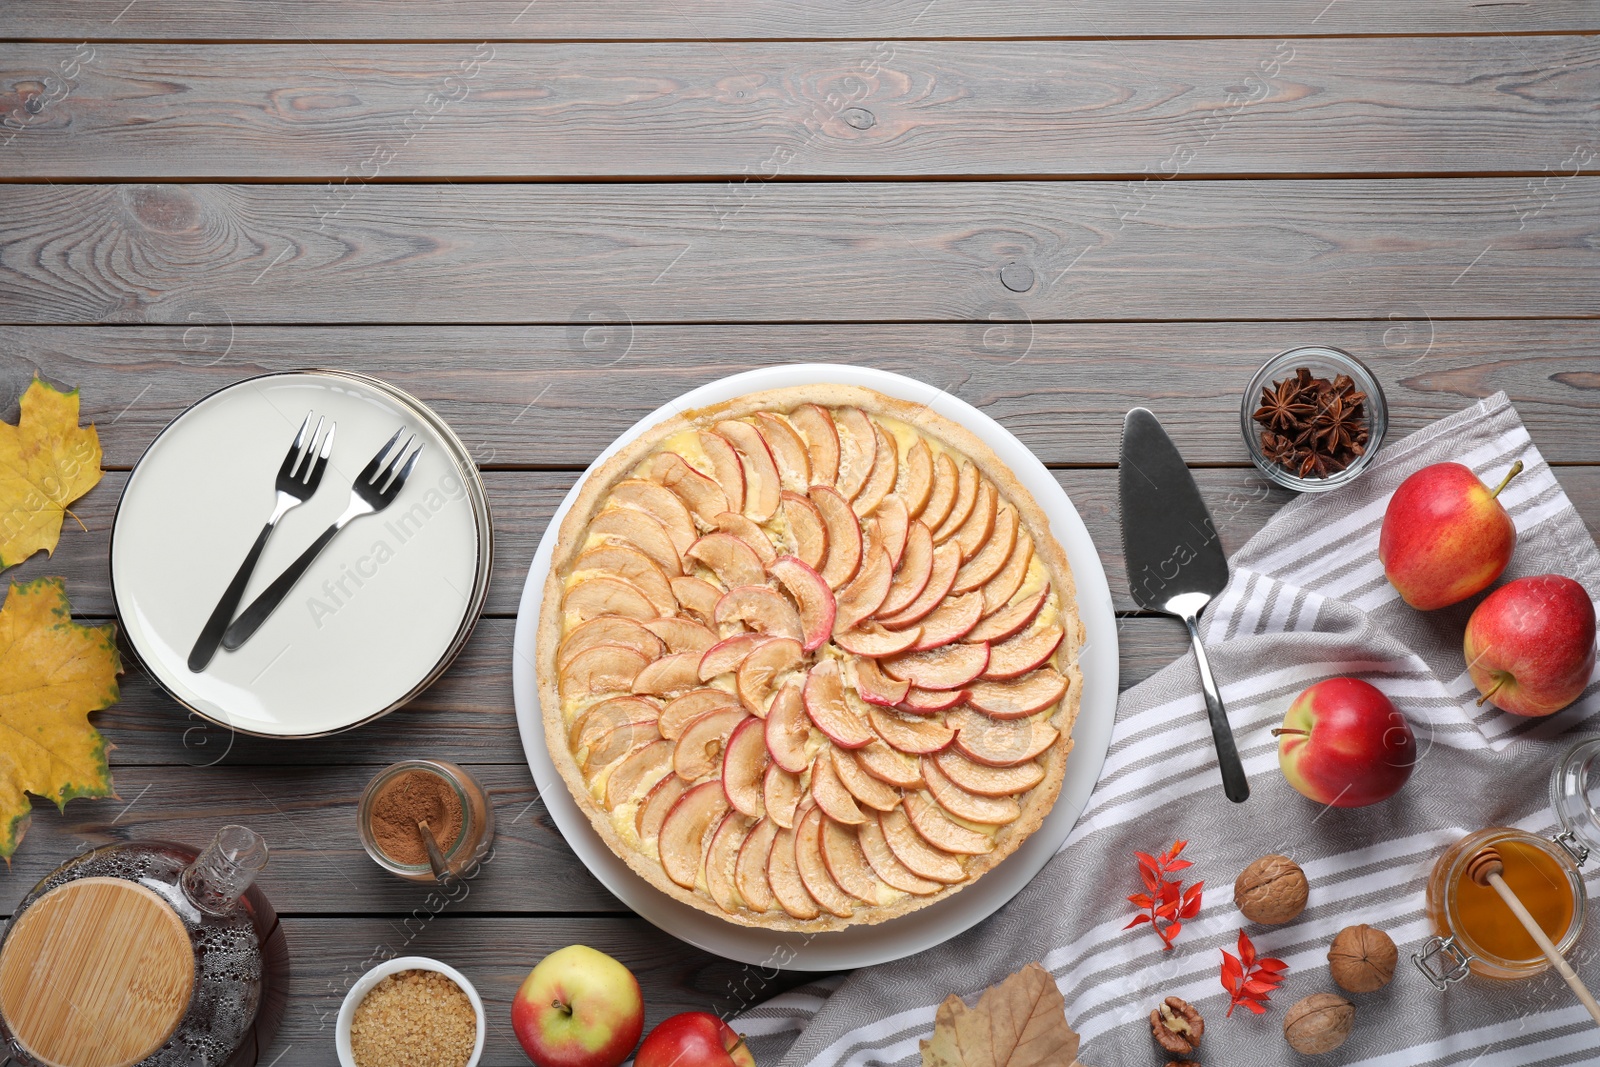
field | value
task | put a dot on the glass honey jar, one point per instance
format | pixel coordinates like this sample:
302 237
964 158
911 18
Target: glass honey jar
1474 931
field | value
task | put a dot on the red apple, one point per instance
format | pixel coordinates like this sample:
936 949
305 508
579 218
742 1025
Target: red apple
694 1039
1445 536
1530 645
1342 743
578 1008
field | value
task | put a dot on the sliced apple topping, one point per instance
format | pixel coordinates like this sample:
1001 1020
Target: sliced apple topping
884 863
788 729
865 592
825 703
975 532
633 567
652 811
1022 653
938 830
679 713
894 524
682 635
699 750
890 765
1011 620
858 448
946 667
913 850
941 575
873 641
746 530
950 621
699 493
973 807
661 504
761 481
609 630
987 561
911 572
961 507
880 480
788 450
999 590
601 669
761 608
644 532
669 675
722 855
606 596
783 873
841 852
989 781
858 783
697 595
910 734
638 772
942 497
830 794
729 558
780 795
725 465
808 535
813 871
600 719
916 478
822 441
750 869
744 766
1020 697
844 536
610 747
875 687
761 670
817 605
1001 742
683 833
927 701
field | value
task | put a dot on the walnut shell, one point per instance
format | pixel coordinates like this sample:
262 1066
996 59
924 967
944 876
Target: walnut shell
1362 959
1271 890
1318 1023
1177 1026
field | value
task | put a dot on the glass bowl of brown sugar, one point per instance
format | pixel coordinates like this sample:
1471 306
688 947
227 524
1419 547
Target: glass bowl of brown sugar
450 801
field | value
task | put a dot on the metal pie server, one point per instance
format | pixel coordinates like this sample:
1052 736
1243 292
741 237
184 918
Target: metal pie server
1174 558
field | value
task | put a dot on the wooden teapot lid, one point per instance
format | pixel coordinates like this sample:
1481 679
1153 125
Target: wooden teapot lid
96 973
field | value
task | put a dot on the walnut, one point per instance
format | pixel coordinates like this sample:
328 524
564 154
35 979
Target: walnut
1271 890
1177 1026
1318 1023
1362 959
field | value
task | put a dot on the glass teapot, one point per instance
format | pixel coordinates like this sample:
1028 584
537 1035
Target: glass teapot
146 953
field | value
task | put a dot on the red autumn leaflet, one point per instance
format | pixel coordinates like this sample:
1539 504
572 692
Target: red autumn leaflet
1165 903
1249 980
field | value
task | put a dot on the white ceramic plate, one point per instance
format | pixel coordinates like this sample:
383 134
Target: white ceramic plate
859 946
383 608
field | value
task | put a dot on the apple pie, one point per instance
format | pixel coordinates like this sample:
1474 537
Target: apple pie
809 658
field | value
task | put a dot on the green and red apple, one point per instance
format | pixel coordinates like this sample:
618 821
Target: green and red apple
694 1039
1445 536
1530 645
578 1008
1344 744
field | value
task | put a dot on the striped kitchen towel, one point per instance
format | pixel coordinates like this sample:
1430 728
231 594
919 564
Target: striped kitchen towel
1307 600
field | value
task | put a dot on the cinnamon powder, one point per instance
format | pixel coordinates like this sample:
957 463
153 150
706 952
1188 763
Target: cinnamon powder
406 799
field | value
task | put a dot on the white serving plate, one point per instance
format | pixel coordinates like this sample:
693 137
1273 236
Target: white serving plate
858 946
365 630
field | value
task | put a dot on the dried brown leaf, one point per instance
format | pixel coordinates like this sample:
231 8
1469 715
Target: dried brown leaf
1022 1022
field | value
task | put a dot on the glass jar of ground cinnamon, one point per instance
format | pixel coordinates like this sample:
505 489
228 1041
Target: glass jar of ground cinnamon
452 803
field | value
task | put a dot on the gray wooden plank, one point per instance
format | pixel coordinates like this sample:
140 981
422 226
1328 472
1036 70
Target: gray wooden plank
556 395
477 20
1026 108
1134 250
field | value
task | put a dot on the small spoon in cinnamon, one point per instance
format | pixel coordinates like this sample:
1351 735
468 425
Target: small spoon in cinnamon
441 869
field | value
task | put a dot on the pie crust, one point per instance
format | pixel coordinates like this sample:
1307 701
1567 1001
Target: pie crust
817 606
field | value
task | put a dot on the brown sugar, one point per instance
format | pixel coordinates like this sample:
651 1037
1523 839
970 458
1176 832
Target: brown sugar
407 799
414 1019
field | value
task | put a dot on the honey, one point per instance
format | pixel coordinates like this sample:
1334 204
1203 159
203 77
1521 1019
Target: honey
1535 876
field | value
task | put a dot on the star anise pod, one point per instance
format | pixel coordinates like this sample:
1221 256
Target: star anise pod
1311 426
1283 406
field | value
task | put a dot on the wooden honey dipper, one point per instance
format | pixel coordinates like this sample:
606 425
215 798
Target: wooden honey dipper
1486 869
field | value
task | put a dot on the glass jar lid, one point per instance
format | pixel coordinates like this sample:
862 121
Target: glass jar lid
1575 797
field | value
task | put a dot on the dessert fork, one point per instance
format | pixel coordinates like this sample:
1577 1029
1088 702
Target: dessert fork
374 489
298 479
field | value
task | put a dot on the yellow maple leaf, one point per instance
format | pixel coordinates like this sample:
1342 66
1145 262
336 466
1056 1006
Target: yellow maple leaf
46 462
1021 1022
53 673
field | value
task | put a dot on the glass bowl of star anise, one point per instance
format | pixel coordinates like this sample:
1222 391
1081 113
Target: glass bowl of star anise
1313 418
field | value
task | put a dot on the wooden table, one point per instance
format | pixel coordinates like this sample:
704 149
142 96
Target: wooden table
546 218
